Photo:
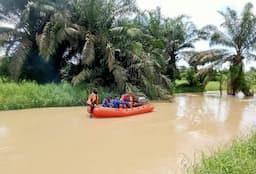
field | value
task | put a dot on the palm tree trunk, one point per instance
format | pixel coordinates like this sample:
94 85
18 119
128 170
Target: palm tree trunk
237 80
221 81
172 70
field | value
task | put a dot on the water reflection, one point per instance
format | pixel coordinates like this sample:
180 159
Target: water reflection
208 106
249 116
3 132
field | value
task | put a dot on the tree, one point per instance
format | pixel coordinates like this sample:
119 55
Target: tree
172 37
106 45
236 43
20 40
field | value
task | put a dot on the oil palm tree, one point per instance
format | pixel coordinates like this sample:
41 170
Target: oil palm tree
179 35
108 47
236 43
20 39
170 35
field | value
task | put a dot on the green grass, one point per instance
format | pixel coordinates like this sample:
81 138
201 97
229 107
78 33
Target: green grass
182 86
30 95
181 82
214 86
238 158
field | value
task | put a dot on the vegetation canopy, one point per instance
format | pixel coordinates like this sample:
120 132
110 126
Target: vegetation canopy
111 43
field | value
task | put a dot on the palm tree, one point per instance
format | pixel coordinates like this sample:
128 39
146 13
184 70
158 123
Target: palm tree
170 35
20 40
108 47
237 43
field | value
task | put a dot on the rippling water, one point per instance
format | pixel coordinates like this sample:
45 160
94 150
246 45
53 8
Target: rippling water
65 140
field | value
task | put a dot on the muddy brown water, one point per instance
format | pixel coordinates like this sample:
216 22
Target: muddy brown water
65 140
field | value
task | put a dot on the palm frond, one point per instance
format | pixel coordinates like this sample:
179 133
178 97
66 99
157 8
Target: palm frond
251 56
110 57
166 82
88 50
121 9
250 41
117 30
120 76
118 71
231 21
149 70
161 92
134 89
18 59
137 48
44 39
85 74
73 32
53 35
219 38
134 32
247 25
8 37
200 58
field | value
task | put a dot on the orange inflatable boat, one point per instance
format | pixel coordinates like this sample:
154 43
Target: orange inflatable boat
104 112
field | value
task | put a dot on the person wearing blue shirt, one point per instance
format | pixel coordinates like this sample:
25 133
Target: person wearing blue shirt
107 101
117 102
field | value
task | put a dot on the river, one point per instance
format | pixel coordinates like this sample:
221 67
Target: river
65 140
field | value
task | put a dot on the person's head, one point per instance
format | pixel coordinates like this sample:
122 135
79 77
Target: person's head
95 90
108 96
117 97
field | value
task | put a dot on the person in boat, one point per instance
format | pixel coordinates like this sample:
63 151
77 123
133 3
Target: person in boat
128 97
139 101
93 100
133 100
107 101
117 103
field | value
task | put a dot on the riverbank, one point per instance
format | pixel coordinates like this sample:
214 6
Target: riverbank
183 87
239 157
27 94
32 95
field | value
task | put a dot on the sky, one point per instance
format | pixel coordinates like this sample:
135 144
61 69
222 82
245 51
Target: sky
202 12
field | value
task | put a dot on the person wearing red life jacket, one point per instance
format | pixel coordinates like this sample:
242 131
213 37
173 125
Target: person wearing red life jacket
128 97
93 100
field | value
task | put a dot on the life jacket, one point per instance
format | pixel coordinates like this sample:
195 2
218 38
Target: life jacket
127 97
93 98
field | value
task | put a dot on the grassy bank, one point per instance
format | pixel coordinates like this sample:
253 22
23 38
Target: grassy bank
182 86
238 158
30 95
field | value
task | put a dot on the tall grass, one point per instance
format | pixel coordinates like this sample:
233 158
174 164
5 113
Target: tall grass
215 86
30 94
182 86
238 158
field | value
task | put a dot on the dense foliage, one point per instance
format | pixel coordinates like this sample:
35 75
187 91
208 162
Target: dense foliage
111 43
93 41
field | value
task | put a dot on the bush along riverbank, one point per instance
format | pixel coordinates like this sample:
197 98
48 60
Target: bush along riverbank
32 95
238 158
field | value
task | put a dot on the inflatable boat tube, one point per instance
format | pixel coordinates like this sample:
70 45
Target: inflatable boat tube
104 112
